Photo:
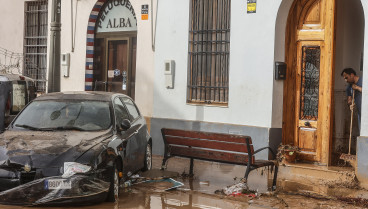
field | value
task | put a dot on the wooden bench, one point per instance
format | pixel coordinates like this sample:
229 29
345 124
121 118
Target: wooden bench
224 148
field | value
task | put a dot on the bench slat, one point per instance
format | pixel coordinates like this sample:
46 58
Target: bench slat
206 135
235 147
209 155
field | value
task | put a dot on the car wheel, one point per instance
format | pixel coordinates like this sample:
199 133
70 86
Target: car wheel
148 158
113 194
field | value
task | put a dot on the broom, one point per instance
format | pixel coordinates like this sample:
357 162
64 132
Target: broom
348 157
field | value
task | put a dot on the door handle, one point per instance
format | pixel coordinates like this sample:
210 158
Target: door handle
307 123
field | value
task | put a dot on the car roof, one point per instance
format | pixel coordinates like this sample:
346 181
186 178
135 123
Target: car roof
14 77
79 95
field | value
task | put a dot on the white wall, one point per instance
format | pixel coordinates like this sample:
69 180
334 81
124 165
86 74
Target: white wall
251 65
145 58
278 85
364 120
349 39
12 27
76 79
144 67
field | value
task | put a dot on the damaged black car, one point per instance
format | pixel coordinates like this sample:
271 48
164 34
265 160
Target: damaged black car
72 147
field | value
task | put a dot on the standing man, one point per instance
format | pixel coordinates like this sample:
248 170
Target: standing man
355 84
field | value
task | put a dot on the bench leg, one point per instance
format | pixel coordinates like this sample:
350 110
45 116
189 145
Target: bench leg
191 166
247 173
275 178
163 166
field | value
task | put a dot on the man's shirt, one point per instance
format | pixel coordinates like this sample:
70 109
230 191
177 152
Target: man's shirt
357 96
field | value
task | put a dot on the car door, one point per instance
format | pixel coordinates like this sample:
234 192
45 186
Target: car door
138 125
127 137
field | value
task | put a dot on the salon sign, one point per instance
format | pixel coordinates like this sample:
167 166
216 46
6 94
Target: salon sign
117 15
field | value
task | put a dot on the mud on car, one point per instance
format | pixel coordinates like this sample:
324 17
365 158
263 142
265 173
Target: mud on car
72 147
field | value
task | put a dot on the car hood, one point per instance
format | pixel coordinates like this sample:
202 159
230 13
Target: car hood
46 149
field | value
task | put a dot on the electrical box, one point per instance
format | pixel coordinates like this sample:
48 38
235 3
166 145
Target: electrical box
280 70
65 63
169 73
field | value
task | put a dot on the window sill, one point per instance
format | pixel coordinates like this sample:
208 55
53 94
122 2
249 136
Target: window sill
223 105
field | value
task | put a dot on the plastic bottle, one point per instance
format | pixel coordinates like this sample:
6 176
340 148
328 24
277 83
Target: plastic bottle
127 183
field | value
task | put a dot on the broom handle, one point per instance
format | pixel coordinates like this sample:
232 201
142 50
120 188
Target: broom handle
351 122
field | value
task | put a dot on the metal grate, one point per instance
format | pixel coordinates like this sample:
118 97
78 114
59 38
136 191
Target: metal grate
26 177
309 94
35 42
209 46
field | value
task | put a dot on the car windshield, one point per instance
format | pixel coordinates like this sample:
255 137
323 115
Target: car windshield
65 115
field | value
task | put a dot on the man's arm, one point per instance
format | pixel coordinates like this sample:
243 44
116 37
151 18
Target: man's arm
350 99
351 105
356 87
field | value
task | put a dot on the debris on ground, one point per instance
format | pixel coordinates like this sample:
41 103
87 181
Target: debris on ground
355 201
204 182
236 188
238 194
348 180
127 184
239 190
155 179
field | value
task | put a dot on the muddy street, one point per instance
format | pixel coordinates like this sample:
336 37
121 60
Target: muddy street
135 198
204 191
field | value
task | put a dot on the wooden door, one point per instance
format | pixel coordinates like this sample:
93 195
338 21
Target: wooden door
118 66
115 63
308 87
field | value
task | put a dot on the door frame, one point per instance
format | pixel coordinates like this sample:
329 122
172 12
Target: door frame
297 31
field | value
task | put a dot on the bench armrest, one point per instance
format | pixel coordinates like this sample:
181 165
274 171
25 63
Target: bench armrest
273 153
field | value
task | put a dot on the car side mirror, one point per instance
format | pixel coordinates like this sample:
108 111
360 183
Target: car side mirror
125 124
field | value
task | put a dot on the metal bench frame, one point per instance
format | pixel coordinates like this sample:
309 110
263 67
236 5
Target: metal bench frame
216 147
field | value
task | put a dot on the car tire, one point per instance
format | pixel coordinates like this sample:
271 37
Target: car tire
113 194
148 158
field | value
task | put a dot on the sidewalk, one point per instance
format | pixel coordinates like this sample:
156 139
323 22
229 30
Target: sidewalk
298 192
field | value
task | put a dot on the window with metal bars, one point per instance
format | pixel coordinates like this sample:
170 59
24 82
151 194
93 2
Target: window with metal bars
209 47
309 86
35 42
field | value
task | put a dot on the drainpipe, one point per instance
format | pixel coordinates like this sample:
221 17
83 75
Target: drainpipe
54 59
153 32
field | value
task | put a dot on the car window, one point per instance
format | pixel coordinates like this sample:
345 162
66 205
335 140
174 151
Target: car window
120 111
63 115
132 109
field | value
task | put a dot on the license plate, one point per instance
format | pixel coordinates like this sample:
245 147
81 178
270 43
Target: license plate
57 184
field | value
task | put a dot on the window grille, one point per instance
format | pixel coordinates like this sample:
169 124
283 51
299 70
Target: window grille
35 42
209 46
309 92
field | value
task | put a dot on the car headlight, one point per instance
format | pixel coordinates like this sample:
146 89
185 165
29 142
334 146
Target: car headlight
71 168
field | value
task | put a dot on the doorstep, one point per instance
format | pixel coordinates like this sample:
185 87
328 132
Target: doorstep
321 181
316 174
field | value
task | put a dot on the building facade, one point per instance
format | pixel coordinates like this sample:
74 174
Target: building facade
267 69
101 42
225 54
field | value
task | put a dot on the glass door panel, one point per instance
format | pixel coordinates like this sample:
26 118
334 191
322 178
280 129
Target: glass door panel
117 66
